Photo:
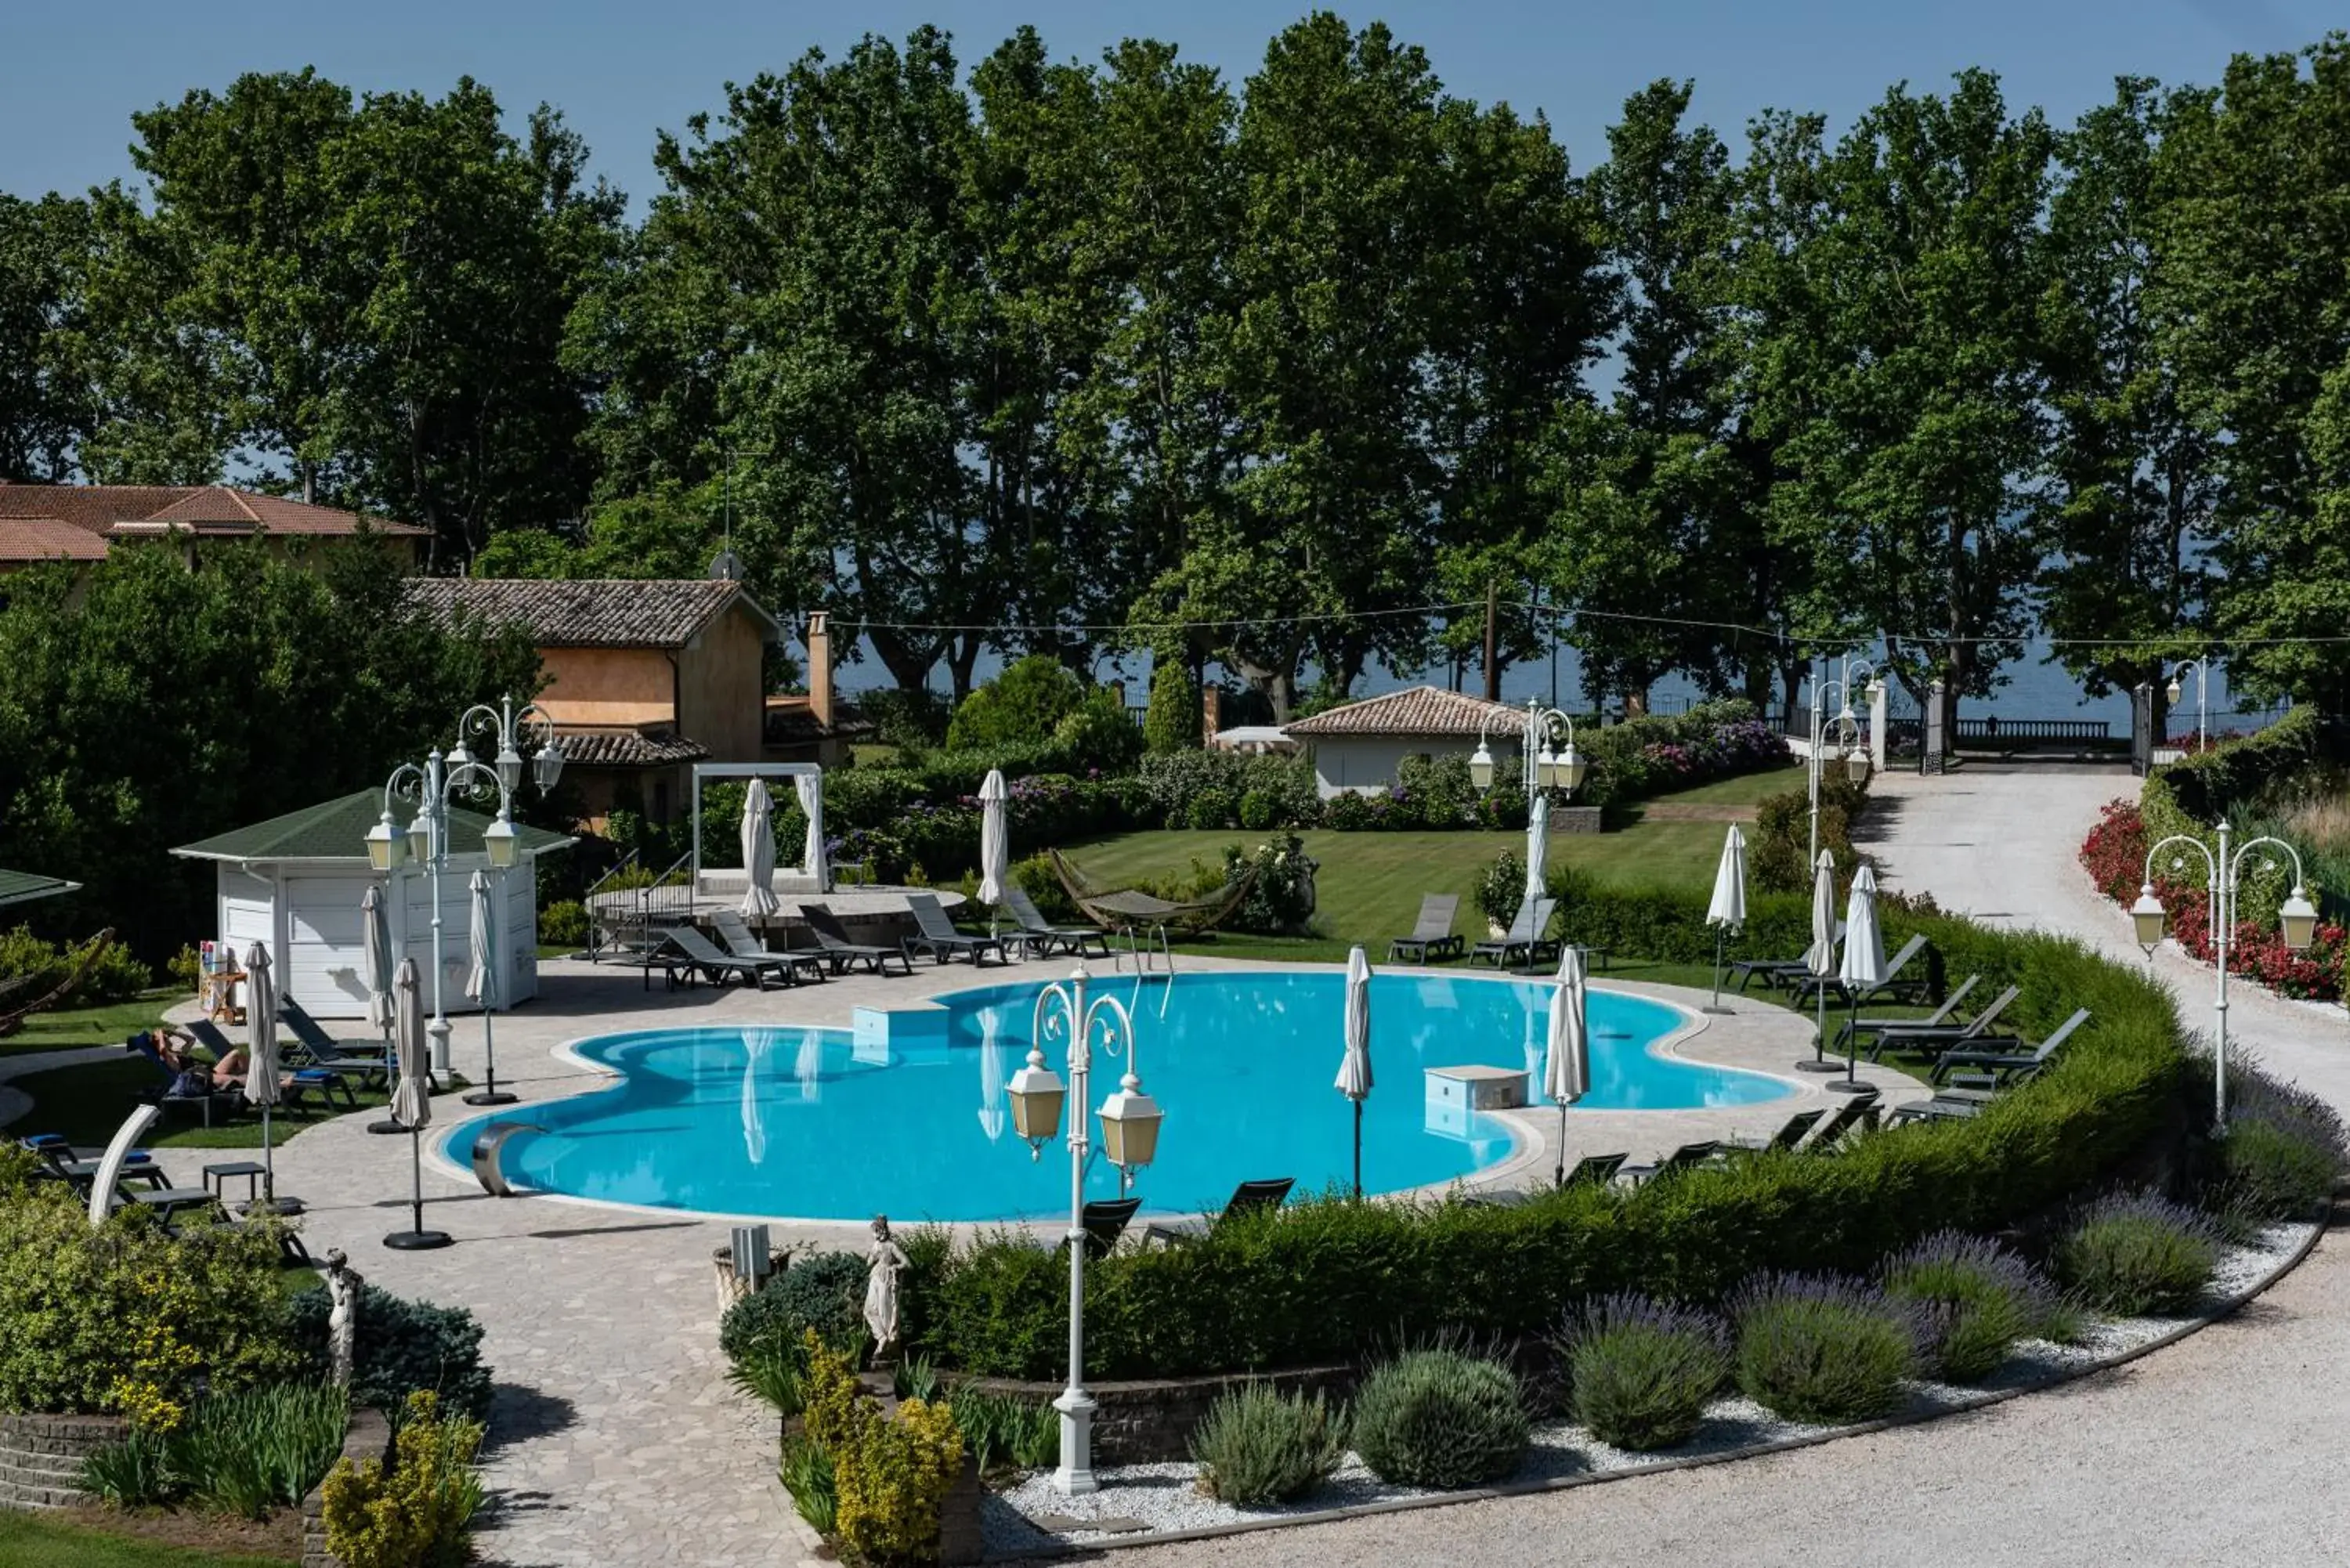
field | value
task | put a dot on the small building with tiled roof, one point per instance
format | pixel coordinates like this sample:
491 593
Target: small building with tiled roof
294 884
1359 747
82 521
644 677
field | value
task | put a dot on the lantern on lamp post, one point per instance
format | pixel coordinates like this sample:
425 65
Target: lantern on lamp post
1131 1122
2223 880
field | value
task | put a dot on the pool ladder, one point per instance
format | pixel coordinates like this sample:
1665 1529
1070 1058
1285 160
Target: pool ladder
1138 943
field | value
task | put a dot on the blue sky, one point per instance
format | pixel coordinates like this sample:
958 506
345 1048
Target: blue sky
620 71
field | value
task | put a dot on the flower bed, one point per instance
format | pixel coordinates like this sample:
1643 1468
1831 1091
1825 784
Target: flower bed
2114 856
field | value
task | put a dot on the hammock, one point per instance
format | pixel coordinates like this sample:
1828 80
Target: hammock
1115 909
12 1020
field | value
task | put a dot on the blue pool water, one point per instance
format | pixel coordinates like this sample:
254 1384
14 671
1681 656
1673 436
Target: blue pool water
793 1121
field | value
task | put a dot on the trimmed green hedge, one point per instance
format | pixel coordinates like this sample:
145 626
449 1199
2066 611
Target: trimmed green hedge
1320 1281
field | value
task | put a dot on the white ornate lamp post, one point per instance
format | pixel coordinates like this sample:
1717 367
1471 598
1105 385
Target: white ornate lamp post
2223 880
1130 1121
511 730
1539 766
426 841
1856 758
2202 672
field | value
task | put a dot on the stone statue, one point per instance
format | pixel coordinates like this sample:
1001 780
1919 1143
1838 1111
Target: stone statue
884 1262
343 1286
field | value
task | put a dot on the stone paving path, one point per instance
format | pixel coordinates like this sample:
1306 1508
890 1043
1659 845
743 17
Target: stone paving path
2221 1449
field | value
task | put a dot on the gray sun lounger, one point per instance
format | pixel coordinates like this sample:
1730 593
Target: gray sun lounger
1869 1028
1892 988
1525 935
1688 1157
1931 1040
1594 1170
1041 938
832 939
936 935
363 1061
1996 1067
1248 1198
1856 1113
736 934
684 950
1786 1137
1431 936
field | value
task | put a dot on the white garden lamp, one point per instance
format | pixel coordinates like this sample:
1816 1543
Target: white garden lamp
2223 880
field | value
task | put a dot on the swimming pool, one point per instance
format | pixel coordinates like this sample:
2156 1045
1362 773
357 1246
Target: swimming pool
909 1118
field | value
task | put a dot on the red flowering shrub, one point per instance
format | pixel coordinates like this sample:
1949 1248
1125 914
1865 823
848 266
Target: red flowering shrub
2114 856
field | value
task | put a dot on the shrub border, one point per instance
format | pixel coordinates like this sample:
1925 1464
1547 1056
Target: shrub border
1981 1400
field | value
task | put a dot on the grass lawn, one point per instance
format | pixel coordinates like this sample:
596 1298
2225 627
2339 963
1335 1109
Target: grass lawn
1369 884
109 1025
30 1540
86 1103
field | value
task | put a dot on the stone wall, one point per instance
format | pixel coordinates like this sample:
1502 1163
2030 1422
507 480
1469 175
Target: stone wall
1149 1421
369 1436
41 1456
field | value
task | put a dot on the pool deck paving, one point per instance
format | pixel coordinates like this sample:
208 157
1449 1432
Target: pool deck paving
617 1440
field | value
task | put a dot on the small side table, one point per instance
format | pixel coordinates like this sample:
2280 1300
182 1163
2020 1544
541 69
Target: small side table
217 1178
217 996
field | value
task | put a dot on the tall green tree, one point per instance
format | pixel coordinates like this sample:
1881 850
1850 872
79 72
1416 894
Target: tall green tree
2132 478
1643 488
1522 306
1331 524
1918 464
2249 296
364 301
46 413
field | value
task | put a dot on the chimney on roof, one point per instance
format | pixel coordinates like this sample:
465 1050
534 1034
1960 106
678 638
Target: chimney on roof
1211 713
819 673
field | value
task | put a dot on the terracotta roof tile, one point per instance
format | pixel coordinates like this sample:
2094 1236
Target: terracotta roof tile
47 539
589 612
627 749
1415 711
134 509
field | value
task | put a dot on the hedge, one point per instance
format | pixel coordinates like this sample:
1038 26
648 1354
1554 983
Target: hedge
1320 1279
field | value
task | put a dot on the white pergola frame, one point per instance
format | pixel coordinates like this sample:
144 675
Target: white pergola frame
740 770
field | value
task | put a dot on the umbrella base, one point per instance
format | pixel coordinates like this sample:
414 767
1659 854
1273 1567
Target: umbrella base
416 1240
492 1097
386 1126
1848 1086
263 1207
1808 1066
1719 1012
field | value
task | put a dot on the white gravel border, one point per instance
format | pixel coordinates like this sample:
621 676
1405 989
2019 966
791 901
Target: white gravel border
1165 1499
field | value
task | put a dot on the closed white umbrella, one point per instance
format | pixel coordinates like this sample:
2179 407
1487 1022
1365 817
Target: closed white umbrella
994 840
1355 1066
261 1064
756 1043
1862 969
759 900
412 1103
810 789
991 1073
1820 957
1727 913
482 981
375 958
1538 849
1566 1066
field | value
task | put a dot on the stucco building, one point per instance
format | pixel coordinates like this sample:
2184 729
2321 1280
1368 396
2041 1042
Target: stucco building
644 678
1359 747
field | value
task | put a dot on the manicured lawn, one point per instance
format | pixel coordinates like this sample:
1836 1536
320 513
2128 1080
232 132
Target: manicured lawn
1369 884
28 1541
86 1103
109 1025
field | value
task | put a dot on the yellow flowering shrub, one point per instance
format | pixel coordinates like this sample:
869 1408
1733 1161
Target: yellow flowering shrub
888 1476
416 1513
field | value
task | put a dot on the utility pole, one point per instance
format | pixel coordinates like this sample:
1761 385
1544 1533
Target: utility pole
1492 643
